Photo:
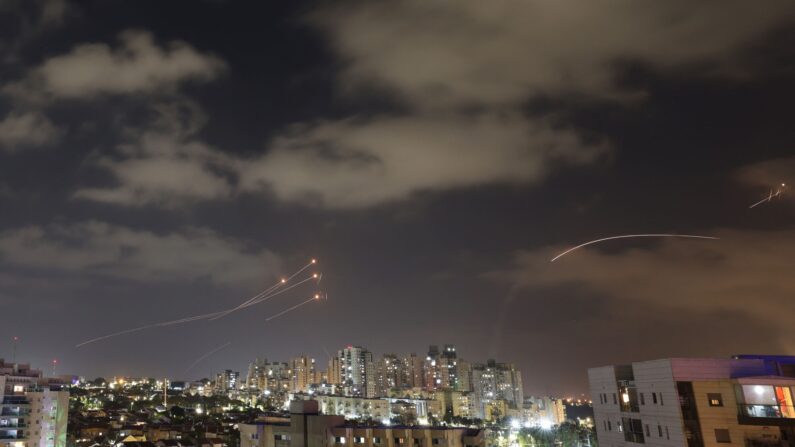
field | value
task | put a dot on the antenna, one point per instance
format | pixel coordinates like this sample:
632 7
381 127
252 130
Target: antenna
14 358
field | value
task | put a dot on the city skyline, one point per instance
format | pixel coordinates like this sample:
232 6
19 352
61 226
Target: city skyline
164 160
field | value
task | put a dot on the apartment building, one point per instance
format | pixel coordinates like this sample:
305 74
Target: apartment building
696 402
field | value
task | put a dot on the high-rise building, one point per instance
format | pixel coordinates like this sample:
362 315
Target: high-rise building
227 381
696 402
257 378
34 409
414 375
334 371
357 371
302 373
388 374
497 387
464 376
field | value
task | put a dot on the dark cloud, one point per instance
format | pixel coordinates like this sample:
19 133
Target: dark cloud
137 65
20 130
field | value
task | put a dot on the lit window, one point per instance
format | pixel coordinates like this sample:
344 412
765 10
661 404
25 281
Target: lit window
715 399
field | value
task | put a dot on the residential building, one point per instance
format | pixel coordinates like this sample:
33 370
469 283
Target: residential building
497 388
34 409
357 371
307 427
302 373
696 402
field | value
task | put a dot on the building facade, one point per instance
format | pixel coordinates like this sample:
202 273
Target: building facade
307 427
357 371
34 409
744 401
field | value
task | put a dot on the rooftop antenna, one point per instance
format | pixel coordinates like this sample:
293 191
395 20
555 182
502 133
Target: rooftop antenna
165 393
14 358
54 364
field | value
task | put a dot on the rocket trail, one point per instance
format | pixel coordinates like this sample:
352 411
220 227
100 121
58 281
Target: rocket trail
148 326
628 236
259 298
767 199
266 291
198 360
288 310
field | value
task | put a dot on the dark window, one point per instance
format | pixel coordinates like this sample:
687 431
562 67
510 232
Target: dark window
435 441
715 399
667 435
642 399
605 424
647 431
654 398
722 435
376 440
609 426
661 399
615 399
659 430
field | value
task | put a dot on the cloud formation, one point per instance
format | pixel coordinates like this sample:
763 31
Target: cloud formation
359 163
30 129
102 249
462 72
500 53
136 65
164 164
745 272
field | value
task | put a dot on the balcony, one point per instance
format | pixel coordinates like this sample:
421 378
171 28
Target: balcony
754 414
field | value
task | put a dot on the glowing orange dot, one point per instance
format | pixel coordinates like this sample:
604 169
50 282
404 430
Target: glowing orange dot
314 261
284 280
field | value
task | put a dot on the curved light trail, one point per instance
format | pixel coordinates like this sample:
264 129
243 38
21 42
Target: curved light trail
629 236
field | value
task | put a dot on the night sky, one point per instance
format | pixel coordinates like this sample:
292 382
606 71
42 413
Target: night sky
167 159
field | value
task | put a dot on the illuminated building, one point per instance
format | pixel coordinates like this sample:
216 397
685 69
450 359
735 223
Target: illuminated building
334 373
34 409
695 402
227 381
389 374
302 373
307 427
413 371
496 388
543 411
357 371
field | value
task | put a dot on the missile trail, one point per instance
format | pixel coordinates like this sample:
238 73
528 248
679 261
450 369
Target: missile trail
766 199
288 310
266 291
627 236
198 360
149 326
256 299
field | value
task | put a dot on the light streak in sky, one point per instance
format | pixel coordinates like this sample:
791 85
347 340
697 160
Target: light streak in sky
628 236
256 298
265 295
198 360
316 297
770 196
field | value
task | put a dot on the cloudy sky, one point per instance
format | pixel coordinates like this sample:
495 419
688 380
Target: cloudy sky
161 160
